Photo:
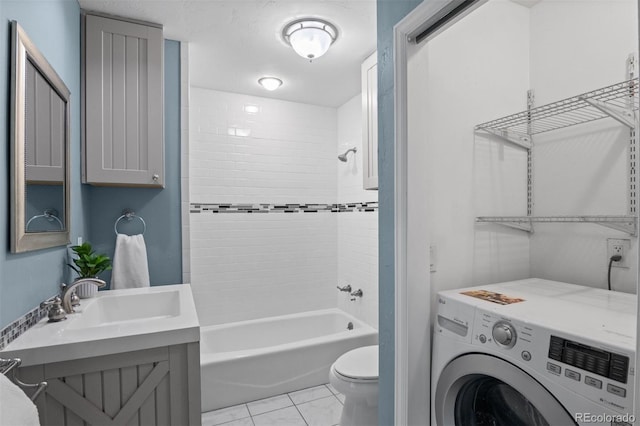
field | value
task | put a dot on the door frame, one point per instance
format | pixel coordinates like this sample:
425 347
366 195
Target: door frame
427 15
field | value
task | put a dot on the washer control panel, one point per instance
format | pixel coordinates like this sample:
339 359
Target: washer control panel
504 334
601 375
607 364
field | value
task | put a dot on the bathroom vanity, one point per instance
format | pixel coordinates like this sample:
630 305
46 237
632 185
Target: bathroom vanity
125 357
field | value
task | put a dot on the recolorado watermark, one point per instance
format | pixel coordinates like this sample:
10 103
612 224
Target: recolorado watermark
614 419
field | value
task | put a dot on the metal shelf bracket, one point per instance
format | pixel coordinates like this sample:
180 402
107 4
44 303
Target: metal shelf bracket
519 139
521 224
629 228
623 115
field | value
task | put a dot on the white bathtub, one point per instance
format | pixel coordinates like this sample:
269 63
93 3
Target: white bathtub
250 360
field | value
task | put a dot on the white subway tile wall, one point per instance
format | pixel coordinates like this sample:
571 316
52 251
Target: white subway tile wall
288 155
254 265
358 264
357 231
247 266
349 136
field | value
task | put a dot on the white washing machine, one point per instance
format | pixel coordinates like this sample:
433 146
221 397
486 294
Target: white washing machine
533 352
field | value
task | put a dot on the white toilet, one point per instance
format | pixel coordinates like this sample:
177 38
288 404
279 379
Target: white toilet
355 375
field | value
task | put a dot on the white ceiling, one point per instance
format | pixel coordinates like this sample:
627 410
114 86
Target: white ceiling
232 43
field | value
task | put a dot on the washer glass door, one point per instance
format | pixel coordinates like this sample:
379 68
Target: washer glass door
485 400
483 390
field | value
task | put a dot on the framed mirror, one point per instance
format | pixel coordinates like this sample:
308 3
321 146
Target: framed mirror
39 132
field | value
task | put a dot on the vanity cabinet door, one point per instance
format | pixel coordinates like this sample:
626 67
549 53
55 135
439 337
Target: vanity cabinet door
123 136
158 386
370 122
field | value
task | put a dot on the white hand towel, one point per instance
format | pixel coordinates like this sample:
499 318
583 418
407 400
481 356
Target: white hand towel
15 406
130 267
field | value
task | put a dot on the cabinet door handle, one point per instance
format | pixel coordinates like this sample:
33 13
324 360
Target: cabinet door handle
156 177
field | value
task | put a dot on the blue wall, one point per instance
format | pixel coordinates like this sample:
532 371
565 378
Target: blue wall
26 279
160 208
54 26
390 12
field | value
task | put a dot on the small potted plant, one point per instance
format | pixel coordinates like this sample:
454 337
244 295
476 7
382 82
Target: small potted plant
88 265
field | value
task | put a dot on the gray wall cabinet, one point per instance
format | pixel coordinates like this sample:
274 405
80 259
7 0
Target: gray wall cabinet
45 120
370 122
159 386
123 103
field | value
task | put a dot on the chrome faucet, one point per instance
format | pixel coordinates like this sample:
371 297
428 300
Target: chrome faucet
346 288
69 291
355 294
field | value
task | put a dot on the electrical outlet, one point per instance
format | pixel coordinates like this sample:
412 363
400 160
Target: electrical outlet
618 247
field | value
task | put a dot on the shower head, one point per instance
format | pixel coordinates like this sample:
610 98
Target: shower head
343 157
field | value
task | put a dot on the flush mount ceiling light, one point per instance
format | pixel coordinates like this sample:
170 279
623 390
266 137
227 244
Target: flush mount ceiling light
270 83
310 37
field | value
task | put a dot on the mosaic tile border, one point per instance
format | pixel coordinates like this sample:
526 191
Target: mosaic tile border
12 331
281 208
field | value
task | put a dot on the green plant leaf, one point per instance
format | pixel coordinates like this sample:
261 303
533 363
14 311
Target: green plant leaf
88 263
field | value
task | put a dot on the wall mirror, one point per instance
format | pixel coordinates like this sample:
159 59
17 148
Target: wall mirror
39 132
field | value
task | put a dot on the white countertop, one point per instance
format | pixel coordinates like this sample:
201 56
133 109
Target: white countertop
113 321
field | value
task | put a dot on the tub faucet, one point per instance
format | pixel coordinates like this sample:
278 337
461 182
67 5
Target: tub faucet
357 293
346 288
68 292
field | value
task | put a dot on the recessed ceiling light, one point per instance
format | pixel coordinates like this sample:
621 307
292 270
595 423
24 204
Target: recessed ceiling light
270 83
310 37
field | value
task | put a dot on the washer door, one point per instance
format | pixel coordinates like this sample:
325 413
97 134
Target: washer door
479 390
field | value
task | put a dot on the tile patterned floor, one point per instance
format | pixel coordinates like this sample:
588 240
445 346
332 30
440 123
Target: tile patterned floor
317 406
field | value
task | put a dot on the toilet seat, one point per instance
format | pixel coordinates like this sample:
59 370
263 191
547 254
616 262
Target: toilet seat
358 365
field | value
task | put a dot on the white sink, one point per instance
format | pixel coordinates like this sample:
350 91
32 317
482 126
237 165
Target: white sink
113 321
121 308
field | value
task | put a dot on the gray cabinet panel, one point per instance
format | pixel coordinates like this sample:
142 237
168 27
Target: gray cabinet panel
370 122
159 386
44 130
123 116
75 383
129 386
147 409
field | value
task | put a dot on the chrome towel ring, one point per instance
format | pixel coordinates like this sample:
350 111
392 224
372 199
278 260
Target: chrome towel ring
129 215
49 214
